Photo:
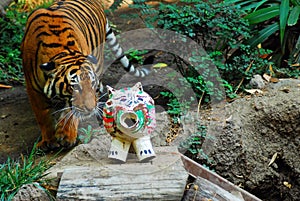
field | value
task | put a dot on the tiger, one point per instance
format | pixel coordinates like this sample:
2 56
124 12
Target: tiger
62 58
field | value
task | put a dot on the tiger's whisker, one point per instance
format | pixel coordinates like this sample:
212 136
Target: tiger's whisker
61 110
102 96
73 120
62 117
69 118
65 118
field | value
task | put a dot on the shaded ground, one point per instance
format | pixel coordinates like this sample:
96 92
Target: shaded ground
254 130
18 130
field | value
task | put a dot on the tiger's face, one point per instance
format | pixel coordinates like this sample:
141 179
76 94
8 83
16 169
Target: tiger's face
74 83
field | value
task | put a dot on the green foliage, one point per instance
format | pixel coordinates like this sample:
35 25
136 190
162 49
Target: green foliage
174 104
11 34
247 64
221 31
30 5
269 17
145 9
116 4
14 174
178 104
139 4
194 143
214 26
262 11
87 134
136 55
180 96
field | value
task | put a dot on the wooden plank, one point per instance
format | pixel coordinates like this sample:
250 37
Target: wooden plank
162 179
197 170
202 189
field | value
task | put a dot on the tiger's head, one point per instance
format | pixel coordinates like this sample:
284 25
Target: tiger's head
71 80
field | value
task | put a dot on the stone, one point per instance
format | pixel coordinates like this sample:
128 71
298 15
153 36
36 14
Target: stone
31 192
257 82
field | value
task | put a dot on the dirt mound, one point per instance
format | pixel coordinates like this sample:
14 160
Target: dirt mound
258 148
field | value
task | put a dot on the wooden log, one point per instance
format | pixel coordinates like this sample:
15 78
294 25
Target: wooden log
162 179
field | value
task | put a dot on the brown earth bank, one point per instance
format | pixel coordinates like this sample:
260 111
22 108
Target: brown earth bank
258 145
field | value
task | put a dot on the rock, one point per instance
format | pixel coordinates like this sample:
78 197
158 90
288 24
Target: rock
32 192
95 150
163 125
3 5
257 82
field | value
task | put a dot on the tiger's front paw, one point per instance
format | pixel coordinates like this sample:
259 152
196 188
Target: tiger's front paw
57 143
47 146
66 140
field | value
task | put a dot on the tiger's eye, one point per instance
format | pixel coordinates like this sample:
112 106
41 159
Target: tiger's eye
76 87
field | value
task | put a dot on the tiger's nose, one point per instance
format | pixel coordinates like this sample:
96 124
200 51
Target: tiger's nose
90 104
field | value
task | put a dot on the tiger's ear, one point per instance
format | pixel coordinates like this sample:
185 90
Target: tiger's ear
138 87
49 66
92 59
110 90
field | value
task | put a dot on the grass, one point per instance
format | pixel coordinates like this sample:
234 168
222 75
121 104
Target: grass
26 170
87 134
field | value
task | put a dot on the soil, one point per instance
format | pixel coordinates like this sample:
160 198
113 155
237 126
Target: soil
256 145
18 129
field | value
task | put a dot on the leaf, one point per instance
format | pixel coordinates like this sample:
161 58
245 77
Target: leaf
296 2
254 91
285 90
5 86
262 15
116 4
246 5
274 80
287 184
263 34
260 3
259 46
233 1
160 65
283 15
273 159
271 70
267 77
294 16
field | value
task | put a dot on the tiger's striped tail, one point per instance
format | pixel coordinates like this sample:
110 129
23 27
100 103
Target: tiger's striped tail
119 54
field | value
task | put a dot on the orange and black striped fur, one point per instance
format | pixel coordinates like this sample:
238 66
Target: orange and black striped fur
62 53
